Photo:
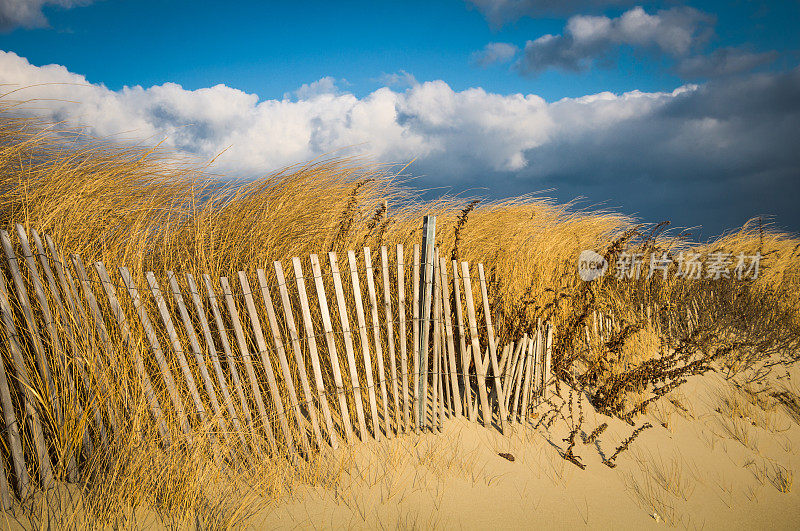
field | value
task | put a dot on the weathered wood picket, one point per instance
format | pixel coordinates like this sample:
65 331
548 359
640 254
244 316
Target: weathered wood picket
290 387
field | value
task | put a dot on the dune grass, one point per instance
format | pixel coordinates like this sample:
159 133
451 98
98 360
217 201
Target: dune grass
143 208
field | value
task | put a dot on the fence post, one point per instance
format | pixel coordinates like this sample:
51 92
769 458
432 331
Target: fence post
428 240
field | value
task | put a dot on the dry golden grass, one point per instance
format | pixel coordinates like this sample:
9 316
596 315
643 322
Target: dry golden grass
142 208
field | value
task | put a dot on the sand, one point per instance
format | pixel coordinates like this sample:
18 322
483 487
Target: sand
700 466
716 457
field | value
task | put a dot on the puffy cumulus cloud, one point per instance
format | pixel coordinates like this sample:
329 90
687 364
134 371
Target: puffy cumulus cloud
325 85
494 52
259 136
28 13
713 154
674 32
724 62
499 12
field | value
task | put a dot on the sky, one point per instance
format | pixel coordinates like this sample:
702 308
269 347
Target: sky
680 111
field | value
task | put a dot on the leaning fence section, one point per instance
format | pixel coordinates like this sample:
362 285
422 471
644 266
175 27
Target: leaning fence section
329 351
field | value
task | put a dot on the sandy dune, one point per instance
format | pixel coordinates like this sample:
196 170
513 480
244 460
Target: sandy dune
700 466
717 457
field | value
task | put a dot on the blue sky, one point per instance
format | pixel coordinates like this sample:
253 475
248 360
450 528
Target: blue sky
269 48
678 132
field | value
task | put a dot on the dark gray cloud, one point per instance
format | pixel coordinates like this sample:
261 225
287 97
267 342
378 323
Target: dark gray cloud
674 32
28 13
713 156
724 62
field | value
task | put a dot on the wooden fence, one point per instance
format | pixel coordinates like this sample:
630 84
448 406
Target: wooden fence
274 362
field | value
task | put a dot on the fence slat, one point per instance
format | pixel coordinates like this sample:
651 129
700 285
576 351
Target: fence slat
214 355
122 321
538 367
387 307
266 363
308 327
476 352
106 383
376 335
44 306
63 317
80 319
508 377
523 415
401 313
330 341
166 373
5 494
348 344
415 332
547 357
504 356
50 318
177 348
446 374
26 390
498 389
226 346
66 284
511 375
38 288
244 350
55 340
364 341
519 371
198 354
297 350
505 361
441 379
427 307
516 377
505 368
437 352
51 281
27 311
14 439
476 404
71 294
451 349
465 354
282 359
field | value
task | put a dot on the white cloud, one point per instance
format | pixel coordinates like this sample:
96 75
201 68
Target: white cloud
674 32
690 143
494 52
322 86
28 13
426 120
401 79
499 12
